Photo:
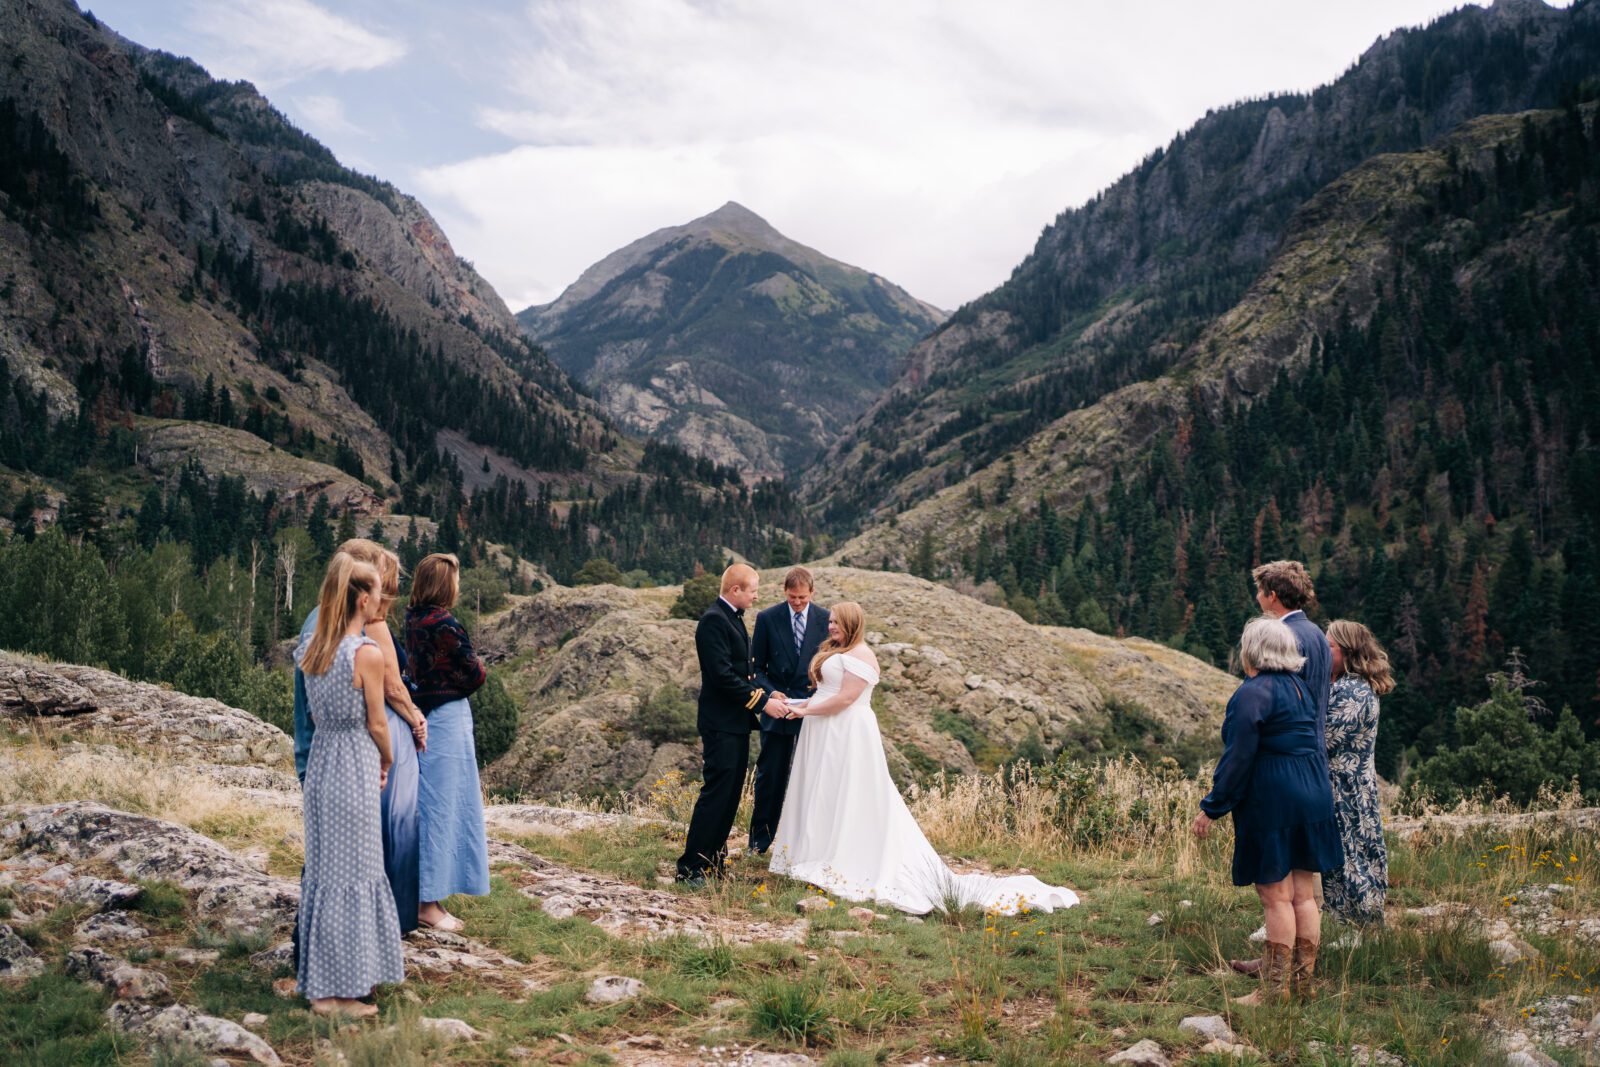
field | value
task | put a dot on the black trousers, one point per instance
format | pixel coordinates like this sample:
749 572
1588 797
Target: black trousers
727 761
772 781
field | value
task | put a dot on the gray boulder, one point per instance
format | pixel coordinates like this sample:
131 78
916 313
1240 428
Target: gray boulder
17 958
119 977
227 890
178 1025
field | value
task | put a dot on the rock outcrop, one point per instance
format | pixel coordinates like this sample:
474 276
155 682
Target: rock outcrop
232 893
84 700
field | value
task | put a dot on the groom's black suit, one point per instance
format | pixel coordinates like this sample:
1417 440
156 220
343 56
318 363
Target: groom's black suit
780 666
729 703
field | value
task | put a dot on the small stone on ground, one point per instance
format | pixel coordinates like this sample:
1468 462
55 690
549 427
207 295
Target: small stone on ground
613 989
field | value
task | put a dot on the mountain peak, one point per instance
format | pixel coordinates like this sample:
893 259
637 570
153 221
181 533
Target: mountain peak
732 213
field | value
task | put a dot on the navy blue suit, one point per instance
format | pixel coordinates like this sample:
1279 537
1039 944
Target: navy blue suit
1318 669
779 666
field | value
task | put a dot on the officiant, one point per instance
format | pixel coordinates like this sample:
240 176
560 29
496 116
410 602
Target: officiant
787 637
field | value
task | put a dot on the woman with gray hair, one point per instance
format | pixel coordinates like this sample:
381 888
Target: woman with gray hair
1273 778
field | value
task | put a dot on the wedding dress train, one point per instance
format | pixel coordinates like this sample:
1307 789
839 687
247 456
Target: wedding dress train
846 829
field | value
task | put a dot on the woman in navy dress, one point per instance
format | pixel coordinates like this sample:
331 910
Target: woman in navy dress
452 847
1273 779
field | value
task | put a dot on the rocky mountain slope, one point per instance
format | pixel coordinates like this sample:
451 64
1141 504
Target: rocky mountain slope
1348 410
170 240
732 340
964 684
1118 290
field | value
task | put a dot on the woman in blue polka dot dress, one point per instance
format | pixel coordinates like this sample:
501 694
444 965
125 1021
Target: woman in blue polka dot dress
349 931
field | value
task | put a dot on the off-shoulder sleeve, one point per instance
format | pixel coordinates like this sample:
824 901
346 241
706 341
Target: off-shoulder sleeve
858 668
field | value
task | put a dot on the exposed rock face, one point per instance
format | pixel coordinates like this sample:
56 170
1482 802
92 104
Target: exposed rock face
732 340
169 446
945 658
231 892
179 169
83 699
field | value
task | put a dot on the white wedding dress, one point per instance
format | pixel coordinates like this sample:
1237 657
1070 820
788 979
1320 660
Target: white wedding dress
846 829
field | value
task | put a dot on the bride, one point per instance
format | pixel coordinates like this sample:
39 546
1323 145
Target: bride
845 826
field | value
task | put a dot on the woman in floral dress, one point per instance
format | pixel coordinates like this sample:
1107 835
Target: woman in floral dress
1355 892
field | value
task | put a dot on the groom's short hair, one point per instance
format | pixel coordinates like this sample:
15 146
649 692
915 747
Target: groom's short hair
1288 580
738 576
798 577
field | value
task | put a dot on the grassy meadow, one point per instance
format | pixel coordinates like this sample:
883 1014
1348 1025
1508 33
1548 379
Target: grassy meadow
1070 987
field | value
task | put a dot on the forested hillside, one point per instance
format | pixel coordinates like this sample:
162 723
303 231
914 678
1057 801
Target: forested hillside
1117 289
221 351
1434 454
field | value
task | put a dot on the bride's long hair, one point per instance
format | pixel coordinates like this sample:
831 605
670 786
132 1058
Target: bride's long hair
851 624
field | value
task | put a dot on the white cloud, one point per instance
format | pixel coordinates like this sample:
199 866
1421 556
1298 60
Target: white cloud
325 116
276 42
928 140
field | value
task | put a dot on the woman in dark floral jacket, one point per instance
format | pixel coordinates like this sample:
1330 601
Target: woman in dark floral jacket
1356 891
453 851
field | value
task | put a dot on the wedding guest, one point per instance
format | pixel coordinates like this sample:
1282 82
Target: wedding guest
1284 591
348 933
453 851
408 732
1273 779
1355 891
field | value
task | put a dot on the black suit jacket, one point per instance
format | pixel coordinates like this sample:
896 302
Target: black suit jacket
729 696
777 665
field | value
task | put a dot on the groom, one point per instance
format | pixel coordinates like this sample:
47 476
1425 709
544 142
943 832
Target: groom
787 637
730 700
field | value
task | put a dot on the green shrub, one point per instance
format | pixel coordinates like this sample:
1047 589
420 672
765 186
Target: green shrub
697 597
495 716
667 715
598 572
1504 752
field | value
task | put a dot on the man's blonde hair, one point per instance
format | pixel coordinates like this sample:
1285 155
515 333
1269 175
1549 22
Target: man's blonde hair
738 576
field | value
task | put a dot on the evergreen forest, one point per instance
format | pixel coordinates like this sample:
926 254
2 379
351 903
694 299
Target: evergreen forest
1436 466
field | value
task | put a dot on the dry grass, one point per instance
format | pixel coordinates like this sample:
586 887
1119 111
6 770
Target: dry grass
35 771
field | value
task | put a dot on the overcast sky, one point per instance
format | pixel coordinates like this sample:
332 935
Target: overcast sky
927 141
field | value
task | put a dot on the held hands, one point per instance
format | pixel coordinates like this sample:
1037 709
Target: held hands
1202 826
383 776
797 709
419 734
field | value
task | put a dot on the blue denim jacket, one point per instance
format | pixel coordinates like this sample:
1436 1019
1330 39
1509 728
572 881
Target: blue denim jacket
303 726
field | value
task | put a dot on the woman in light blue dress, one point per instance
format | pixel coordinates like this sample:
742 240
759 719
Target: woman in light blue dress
452 848
408 735
349 933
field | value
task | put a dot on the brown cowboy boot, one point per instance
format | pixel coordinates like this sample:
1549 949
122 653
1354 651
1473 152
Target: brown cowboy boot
1304 967
1277 961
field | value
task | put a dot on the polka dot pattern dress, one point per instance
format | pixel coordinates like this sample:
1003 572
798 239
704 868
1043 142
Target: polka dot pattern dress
349 932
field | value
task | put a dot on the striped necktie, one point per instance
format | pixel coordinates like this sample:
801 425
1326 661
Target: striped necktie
798 618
